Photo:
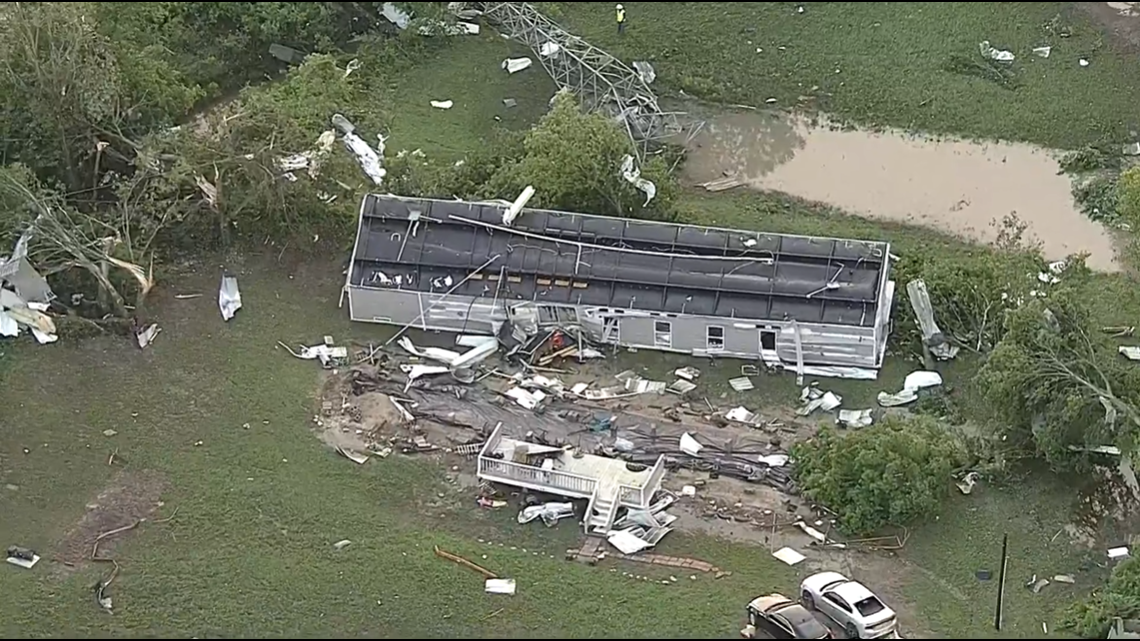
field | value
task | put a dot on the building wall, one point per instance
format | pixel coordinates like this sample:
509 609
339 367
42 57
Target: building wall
820 344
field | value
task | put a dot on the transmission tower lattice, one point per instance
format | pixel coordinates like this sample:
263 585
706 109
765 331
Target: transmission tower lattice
602 82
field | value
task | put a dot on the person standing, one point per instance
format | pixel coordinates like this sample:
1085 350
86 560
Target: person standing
621 19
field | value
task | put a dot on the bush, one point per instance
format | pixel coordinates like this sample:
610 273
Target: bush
1120 597
889 474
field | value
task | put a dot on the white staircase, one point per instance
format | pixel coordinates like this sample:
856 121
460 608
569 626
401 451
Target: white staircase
603 506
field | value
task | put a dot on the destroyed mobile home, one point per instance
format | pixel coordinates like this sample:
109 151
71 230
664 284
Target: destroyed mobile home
538 435
819 306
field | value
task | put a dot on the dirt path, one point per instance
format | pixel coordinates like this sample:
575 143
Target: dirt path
963 188
1121 19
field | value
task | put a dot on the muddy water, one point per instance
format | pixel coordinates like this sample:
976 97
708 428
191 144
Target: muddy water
963 188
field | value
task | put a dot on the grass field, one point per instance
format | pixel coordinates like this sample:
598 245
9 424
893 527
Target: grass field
883 63
249 549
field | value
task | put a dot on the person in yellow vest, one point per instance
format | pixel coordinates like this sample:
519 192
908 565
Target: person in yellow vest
621 19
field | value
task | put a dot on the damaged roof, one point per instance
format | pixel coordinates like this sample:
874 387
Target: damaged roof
579 259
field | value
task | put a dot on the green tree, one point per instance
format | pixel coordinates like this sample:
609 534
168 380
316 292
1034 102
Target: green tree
1120 597
888 474
573 159
1058 384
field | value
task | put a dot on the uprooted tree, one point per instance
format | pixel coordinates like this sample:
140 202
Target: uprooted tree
888 474
1057 383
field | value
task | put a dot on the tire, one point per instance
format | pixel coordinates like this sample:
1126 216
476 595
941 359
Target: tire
851 631
808 600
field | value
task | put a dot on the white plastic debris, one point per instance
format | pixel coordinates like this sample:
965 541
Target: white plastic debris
341 544
1042 51
990 52
632 175
515 65
395 15
229 297
688 490
741 415
789 556
687 373
689 445
442 104
1131 352
8 325
550 513
500 586
527 399
516 207
922 379
855 419
548 49
1083 62
1119 552
774 460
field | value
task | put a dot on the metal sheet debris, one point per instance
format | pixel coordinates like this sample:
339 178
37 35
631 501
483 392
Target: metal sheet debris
527 399
1118 552
632 175
741 384
1042 51
814 398
932 336
774 460
340 545
835 371
500 586
352 455
626 542
515 65
442 104
681 386
741 415
146 335
789 556
914 382
229 297
645 71
1131 352
368 158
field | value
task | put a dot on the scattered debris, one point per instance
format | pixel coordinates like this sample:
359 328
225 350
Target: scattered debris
1042 52
994 54
328 354
1083 62
1064 578
966 485
681 387
229 297
442 104
352 455
789 556
109 433
340 545
487 574
1118 552
722 184
515 65
687 373
1036 584
855 419
550 513
626 542
368 158
500 586
983 575
688 490
914 382
22 557
741 384
645 71
146 335
689 445
1131 352
632 174
814 398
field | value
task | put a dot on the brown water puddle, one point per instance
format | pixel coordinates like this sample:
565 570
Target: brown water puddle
963 188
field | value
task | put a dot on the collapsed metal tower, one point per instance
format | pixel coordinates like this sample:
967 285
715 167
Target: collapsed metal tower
602 82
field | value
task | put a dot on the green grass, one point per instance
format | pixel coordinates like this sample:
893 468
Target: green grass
882 63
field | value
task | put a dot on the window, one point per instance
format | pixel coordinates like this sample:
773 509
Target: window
662 334
714 338
838 601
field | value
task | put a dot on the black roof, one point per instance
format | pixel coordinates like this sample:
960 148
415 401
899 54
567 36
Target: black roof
559 257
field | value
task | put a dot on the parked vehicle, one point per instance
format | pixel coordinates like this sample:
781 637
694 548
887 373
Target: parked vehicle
850 604
783 618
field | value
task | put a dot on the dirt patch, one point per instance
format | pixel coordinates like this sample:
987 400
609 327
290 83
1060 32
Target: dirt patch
130 496
1121 19
959 187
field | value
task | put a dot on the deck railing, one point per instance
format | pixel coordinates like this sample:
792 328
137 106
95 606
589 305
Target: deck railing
537 476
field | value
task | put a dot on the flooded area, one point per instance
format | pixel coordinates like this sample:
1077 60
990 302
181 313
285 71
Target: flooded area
959 187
